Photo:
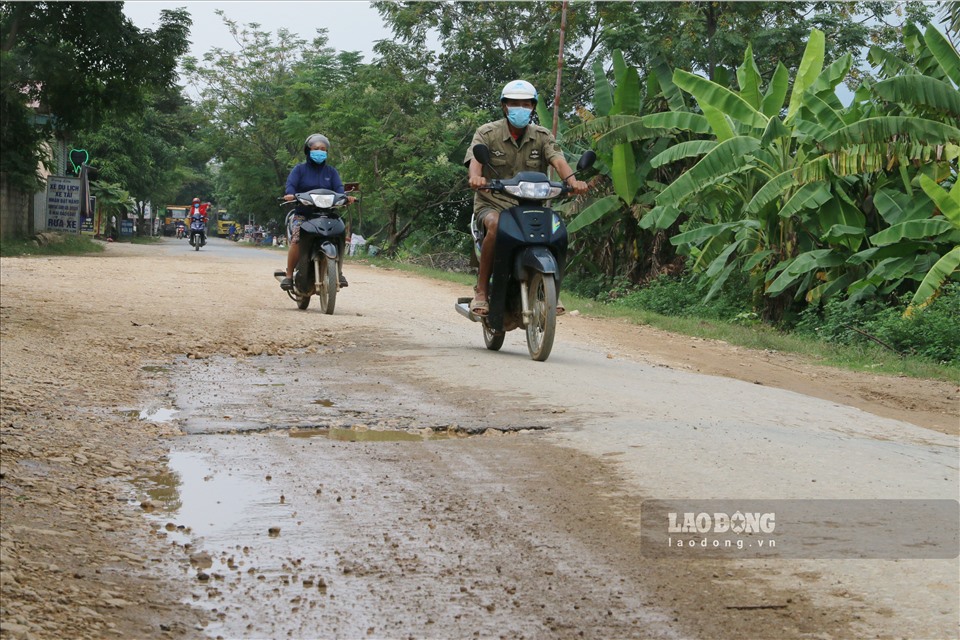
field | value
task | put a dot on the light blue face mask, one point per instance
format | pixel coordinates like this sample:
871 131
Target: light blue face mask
519 116
318 156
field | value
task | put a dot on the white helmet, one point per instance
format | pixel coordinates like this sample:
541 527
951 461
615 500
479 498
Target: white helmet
518 90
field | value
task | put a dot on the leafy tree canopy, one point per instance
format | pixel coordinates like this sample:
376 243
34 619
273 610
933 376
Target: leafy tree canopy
80 63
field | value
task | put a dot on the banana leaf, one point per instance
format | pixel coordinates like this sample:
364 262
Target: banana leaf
623 172
748 77
659 218
773 189
800 266
826 83
776 92
890 251
670 91
890 65
896 207
727 158
921 91
701 234
823 113
626 97
594 212
944 52
720 124
933 281
757 259
884 128
810 67
774 131
720 98
948 203
911 230
683 150
602 93
809 196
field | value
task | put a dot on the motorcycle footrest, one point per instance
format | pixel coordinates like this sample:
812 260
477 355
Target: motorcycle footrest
279 274
463 308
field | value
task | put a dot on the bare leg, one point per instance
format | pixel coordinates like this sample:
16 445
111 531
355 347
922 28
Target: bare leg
293 256
490 223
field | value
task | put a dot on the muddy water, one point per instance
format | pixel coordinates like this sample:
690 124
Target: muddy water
308 506
316 537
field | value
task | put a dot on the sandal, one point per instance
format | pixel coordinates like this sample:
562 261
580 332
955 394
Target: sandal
479 307
560 308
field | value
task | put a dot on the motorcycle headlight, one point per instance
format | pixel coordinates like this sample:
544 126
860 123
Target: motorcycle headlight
322 200
533 190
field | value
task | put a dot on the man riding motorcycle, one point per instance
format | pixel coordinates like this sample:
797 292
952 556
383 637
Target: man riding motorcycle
515 145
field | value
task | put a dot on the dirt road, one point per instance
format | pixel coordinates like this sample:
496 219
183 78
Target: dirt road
185 454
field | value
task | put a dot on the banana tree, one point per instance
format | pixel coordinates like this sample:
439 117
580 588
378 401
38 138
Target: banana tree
793 180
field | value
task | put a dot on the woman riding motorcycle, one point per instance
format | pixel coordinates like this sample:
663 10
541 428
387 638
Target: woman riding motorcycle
314 173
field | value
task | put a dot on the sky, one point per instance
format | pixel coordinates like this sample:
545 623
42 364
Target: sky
352 25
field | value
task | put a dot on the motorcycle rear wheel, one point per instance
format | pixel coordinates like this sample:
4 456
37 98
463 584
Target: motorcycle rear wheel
543 320
328 284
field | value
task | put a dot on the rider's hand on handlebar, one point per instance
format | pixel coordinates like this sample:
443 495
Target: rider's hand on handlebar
288 197
578 187
477 182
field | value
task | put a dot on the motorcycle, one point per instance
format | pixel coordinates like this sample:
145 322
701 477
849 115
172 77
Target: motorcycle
198 234
322 240
528 263
181 231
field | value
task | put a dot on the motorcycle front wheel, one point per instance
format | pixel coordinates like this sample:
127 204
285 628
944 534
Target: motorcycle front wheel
327 267
543 319
493 339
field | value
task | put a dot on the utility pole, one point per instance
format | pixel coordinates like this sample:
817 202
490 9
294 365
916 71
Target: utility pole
556 93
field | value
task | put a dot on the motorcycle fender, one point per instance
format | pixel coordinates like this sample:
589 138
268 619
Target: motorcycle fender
534 259
329 249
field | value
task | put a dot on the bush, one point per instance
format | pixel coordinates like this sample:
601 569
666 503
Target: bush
932 333
670 296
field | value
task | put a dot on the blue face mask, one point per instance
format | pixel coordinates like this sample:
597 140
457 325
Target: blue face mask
519 116
318 156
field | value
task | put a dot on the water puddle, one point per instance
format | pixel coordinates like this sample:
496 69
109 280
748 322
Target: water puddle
210 501
154 414
157 415
343 434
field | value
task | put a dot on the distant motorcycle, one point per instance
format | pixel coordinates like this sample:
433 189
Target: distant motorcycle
198 233
322 241
181 231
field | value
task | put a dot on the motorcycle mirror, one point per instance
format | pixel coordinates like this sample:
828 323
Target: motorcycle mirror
586 160
481 153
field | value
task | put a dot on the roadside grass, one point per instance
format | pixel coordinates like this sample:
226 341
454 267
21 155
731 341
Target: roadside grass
861 358
66 244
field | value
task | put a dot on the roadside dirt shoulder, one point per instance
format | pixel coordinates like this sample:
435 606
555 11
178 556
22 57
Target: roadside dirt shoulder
927 403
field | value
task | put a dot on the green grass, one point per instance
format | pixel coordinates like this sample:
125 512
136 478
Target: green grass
861 358
69 245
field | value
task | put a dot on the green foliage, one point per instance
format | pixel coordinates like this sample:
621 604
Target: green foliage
684 298
63 244
79 63
932 333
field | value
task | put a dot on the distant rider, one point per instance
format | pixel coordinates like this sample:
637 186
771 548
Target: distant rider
515 145
314 173
198 220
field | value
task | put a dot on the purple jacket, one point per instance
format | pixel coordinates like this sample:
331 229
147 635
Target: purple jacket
310 175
